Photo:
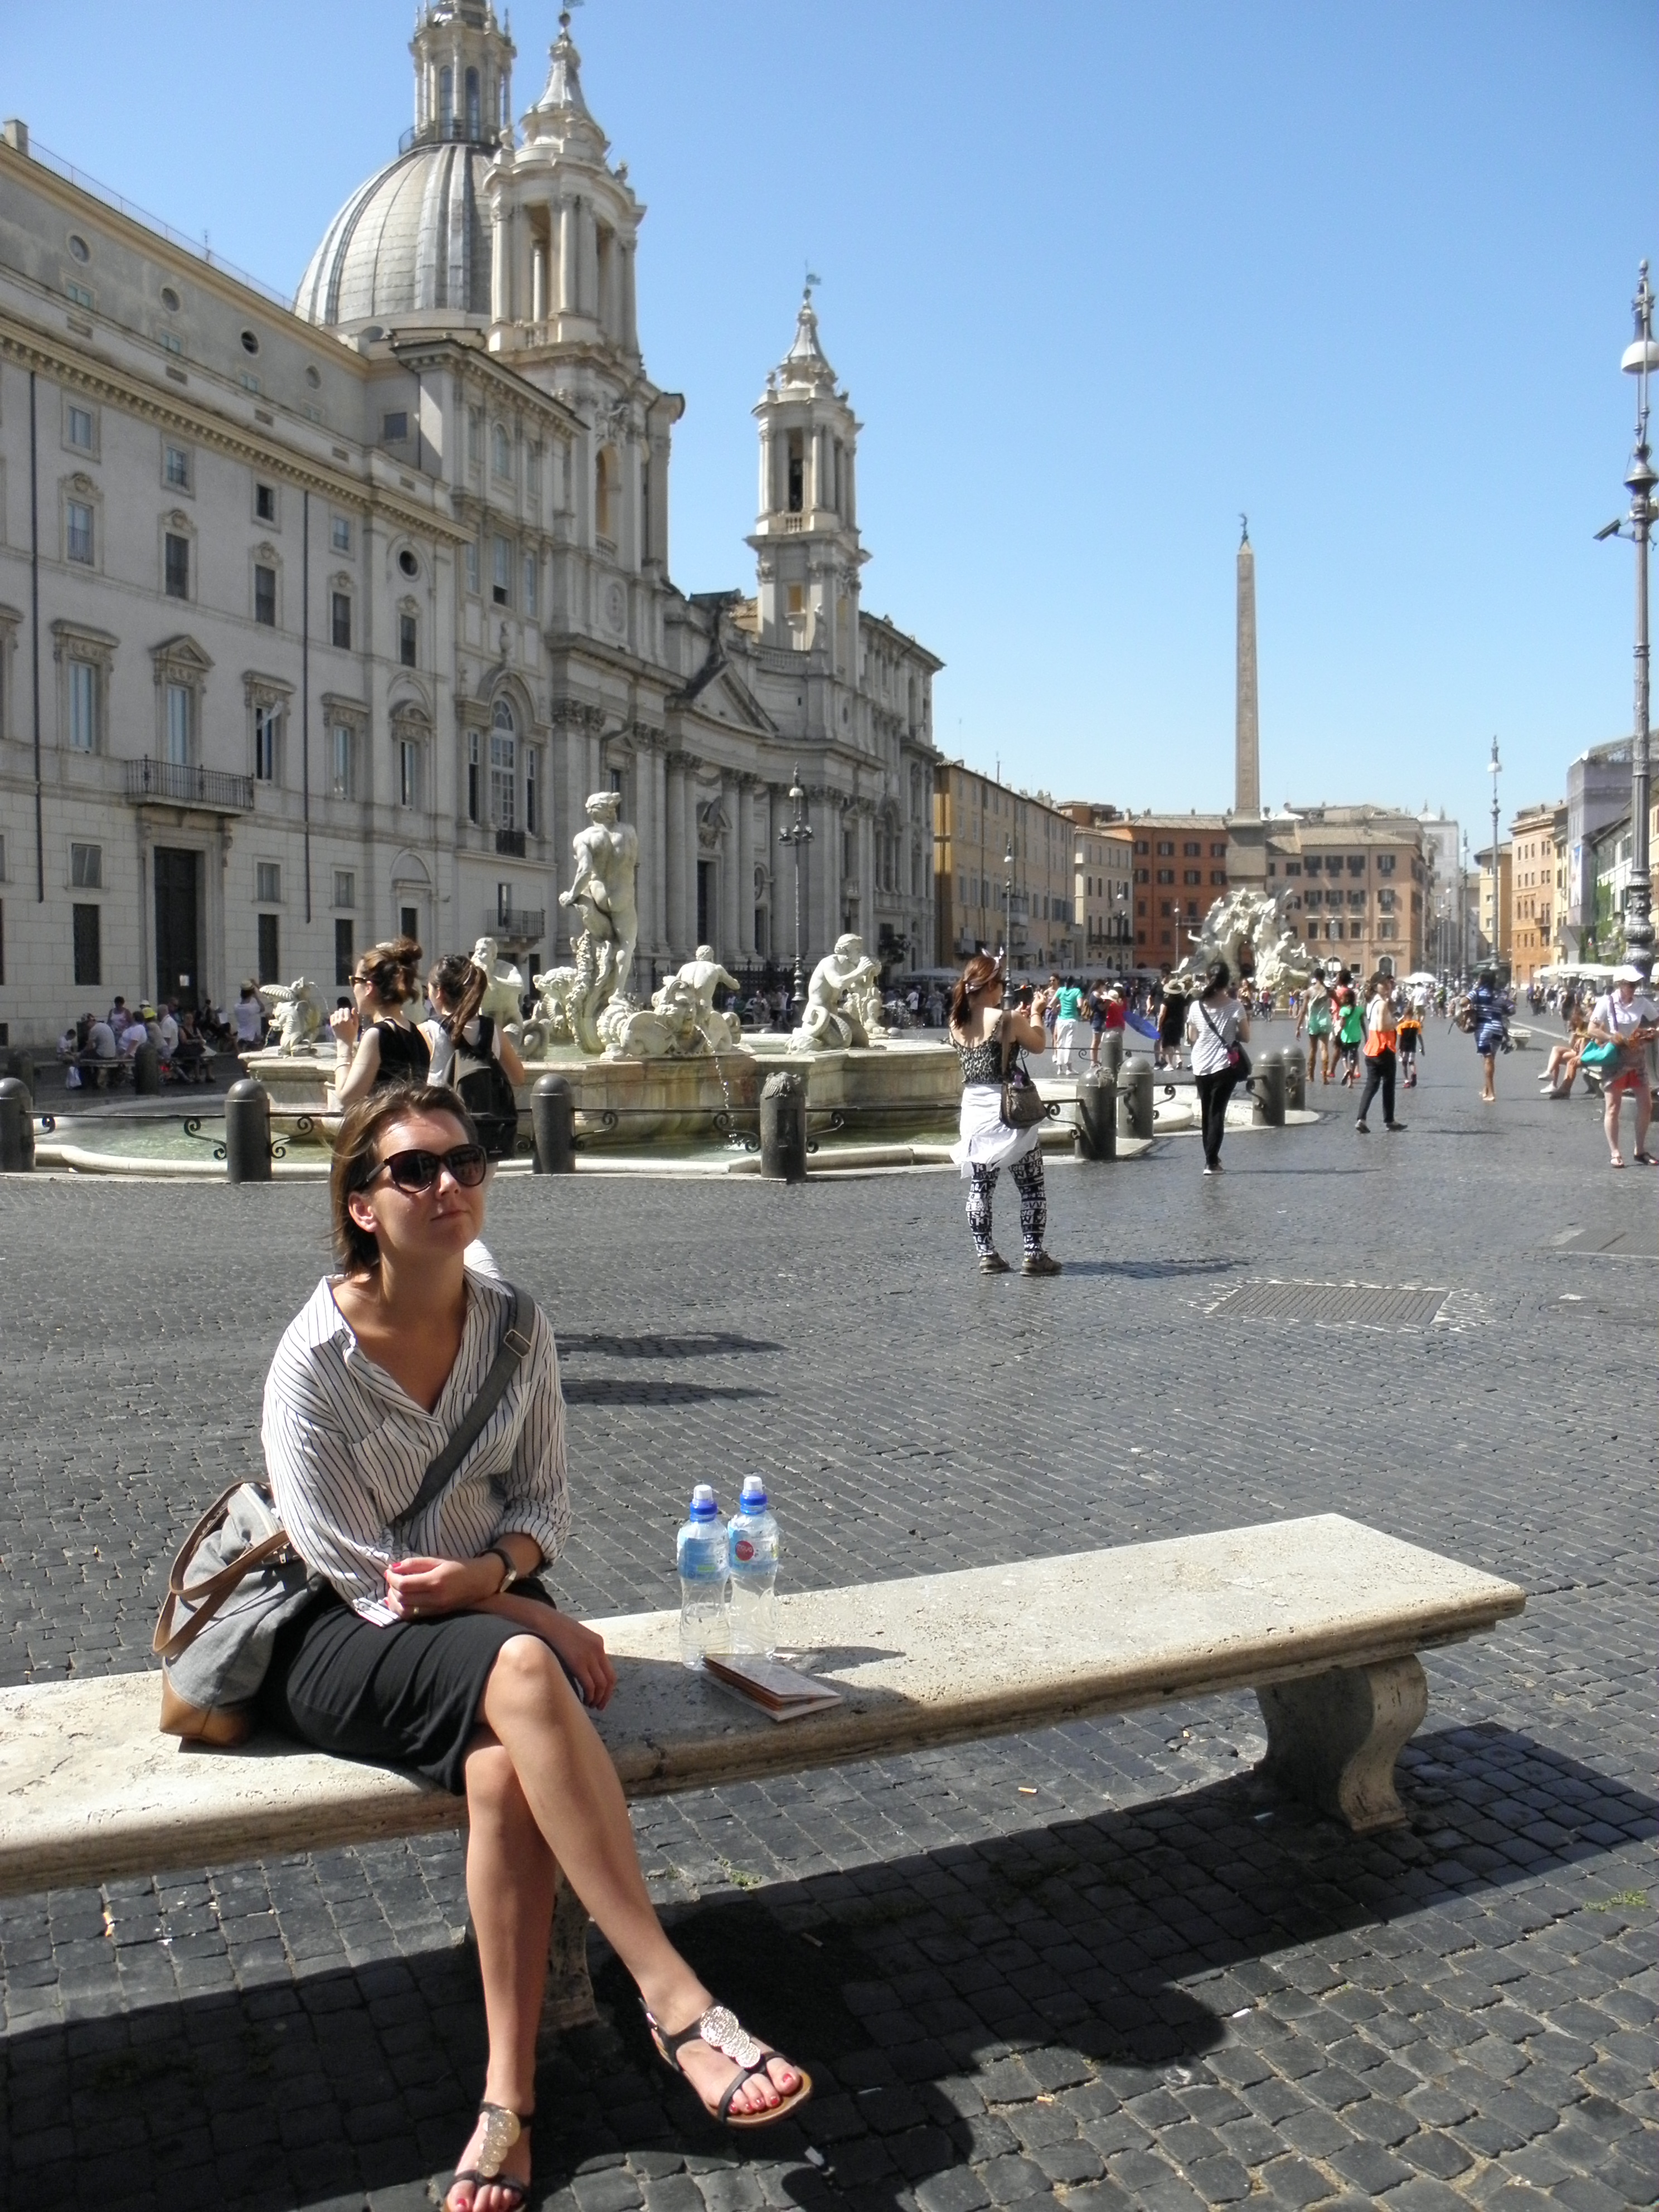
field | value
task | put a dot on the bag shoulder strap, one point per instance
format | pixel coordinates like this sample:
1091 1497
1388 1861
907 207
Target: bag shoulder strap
1007 1042
509 1356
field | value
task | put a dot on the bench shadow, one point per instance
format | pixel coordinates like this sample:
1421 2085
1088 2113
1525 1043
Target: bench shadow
645 1390
702 1344
1072 1942
1152 1271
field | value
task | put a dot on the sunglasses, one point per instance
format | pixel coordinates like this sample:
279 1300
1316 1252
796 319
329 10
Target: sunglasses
413 1172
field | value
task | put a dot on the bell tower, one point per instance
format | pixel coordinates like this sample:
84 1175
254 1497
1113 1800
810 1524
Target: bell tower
806 535
566 228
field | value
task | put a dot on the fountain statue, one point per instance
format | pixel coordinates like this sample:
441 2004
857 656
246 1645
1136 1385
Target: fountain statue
838 998
1247 929
683 1018
298 1010
607 861
503 998
551 1023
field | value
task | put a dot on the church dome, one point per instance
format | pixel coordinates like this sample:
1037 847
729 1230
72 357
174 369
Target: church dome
413 241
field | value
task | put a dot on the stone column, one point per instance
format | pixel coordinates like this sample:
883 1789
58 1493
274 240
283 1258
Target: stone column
674 859
568 249
630 332
1247 780
659 848
647 886
823 875
501 304
745 868
727 947
867 878
520 250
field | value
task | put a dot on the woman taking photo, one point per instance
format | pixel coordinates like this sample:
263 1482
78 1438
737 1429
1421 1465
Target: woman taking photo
428 1649
1215 1033
986 1037
375 1041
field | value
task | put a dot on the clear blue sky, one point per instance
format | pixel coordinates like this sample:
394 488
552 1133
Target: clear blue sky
1098 277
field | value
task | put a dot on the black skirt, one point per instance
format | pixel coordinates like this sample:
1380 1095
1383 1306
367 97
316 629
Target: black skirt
404 1696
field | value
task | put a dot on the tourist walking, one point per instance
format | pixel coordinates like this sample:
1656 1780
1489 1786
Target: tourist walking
1349 1017
375 1041
990 1041
1627 1018
1488 1021
1217 1032
1319 1025
1171 1020
1410 1043
1382 1045
1067 1002
471 1052
431 1646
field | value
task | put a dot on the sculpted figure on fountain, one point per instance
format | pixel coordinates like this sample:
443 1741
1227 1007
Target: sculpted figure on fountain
603 894
832 1019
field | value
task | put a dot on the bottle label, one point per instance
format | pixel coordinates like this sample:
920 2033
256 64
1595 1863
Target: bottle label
743 1549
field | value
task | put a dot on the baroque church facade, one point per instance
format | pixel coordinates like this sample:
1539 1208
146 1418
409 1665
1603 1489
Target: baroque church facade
320 622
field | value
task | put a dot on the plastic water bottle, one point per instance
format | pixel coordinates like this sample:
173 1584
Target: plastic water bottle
751 1540
701 1548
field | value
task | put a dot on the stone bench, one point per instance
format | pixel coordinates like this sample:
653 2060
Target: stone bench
1323 1618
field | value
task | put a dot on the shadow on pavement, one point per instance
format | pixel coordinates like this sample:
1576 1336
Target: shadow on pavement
917 1992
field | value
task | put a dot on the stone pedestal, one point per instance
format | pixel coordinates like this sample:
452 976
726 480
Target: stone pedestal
1333 1738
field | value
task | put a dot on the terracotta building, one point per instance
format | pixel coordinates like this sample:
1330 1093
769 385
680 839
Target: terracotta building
1538 843
1357 878
1181 869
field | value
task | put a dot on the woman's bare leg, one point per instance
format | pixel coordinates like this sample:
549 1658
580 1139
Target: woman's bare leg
572 1792
511 1883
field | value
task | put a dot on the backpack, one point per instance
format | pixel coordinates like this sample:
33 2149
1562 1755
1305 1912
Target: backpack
479 1080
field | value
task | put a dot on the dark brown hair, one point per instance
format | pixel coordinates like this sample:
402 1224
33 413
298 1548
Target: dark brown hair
393 970
357 1151
462 983
978 975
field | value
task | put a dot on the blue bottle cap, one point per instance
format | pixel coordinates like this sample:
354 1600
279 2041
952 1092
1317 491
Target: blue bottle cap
754 1493
703 1507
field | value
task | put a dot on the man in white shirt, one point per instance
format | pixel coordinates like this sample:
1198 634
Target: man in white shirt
1626 1016
169 1028
248 1018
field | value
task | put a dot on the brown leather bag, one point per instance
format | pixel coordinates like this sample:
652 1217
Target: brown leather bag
1023 1103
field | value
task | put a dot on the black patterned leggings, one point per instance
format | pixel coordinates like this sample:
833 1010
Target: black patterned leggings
1027 1172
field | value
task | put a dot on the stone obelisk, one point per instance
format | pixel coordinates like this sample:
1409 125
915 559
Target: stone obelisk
1247 739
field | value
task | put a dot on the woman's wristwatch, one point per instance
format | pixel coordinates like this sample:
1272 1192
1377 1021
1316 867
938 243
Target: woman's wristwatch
512 1575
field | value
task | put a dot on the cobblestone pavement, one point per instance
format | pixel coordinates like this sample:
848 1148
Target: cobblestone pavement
1093 1964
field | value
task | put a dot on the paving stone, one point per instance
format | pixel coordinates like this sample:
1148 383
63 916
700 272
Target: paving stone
1424 1995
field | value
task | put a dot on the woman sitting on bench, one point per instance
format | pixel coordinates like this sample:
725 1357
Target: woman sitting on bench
432 1647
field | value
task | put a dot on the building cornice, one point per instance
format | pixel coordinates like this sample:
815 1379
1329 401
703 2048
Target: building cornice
34 349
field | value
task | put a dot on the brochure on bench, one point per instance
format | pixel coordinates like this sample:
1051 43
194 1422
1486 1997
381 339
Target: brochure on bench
783 1693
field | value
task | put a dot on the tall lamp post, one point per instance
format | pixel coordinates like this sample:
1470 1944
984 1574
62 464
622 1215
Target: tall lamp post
1493 766
1640 358
1463 914
798 833
1008 907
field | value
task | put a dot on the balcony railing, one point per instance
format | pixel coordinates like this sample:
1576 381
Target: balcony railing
175 784
510 842
450 129
520 925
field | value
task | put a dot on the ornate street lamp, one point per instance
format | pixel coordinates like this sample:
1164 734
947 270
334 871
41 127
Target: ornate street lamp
798 833
1641 357
1493 768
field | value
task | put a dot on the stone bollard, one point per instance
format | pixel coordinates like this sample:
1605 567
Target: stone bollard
247 1132
1268 1084
147 1072
1111 1050
16 1127
1135 1097
1296 1078
1097 1115
553 1120
783 1128
13 1062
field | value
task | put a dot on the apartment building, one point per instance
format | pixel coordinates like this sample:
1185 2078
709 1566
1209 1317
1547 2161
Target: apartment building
1357 880
1104 889
1538 844
1004 873
1181 869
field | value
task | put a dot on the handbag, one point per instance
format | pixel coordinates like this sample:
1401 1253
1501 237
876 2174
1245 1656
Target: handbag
217 1632
1238 1060
1023 1103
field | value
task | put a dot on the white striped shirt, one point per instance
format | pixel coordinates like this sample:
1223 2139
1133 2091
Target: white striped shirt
347 1447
